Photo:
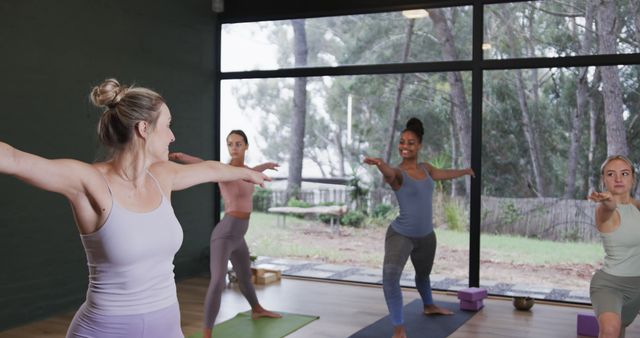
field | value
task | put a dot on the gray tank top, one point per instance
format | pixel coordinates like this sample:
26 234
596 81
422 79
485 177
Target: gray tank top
130 260
622 246
415 201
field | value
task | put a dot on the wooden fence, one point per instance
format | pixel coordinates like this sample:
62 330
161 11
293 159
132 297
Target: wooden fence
544 218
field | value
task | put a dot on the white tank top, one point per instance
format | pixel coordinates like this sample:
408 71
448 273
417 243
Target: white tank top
130 260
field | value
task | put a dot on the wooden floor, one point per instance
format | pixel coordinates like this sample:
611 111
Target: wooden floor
344 309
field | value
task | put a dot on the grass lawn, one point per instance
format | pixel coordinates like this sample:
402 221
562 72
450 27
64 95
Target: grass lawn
266 238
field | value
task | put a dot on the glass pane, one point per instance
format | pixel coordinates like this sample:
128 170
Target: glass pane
348 117
544 139
348 40
561 28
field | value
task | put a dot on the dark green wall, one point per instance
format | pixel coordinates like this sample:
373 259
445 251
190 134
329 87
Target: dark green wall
51 54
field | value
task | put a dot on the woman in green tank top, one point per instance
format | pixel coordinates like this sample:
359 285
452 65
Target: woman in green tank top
615 289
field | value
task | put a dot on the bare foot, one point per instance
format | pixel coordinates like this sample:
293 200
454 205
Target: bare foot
436 310
255 314
399 332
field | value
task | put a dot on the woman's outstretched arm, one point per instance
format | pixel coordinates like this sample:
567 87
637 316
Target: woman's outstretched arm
186 176
64 176
184 158
391 175
264 166
447 174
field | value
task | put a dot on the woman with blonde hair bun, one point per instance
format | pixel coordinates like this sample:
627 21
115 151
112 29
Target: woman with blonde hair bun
122 208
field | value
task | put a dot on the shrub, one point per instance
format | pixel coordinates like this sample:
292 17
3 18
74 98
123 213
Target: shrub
353 219
326 218
261 199
294 202
381 210
454 215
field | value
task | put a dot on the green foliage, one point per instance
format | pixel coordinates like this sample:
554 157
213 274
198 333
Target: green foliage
294 202
358 194
326 218
353 219
261 199
510 214
455 216
381 210
382 215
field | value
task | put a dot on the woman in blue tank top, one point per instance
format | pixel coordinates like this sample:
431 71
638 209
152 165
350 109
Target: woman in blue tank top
411 233
122 208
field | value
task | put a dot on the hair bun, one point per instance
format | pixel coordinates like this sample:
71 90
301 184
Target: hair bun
415 125
107 94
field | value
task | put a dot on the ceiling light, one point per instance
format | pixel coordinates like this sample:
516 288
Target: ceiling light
415 13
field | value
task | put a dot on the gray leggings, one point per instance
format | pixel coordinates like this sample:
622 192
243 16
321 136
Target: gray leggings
227 243
397 250
616 294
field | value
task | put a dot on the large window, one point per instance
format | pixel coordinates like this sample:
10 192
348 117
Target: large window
347 40
559 91
561 28
348 118
544 137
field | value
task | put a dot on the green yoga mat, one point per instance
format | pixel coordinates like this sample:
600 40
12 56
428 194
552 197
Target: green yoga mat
242 326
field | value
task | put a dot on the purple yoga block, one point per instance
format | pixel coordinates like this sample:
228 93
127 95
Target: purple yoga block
473 305
587 325
472 294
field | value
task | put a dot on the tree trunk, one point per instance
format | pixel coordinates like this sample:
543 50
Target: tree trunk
527 123
582 101
454 152
635 10
530 135
461 116
396 107
593 131
611 89
338 142
299 110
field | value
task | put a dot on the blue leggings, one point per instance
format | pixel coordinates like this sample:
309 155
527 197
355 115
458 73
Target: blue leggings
397 250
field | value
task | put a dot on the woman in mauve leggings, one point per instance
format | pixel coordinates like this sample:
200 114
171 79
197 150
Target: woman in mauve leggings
227 239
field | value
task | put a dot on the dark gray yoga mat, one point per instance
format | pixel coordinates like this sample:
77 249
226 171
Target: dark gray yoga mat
417 324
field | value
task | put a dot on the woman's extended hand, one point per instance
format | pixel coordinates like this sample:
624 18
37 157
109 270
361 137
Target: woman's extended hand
600 196
470 172
257 177
175 156
372 160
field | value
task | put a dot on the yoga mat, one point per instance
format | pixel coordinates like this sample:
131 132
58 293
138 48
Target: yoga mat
417 324
242 326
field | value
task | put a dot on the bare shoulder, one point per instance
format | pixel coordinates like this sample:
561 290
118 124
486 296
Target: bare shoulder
429 167
165 172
